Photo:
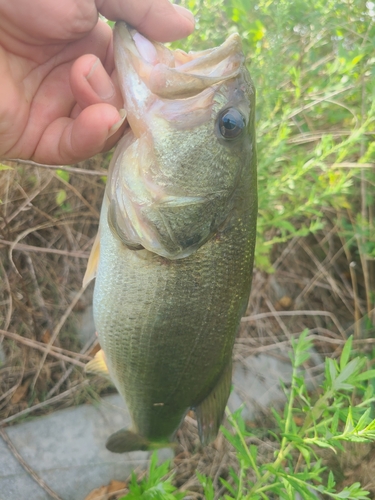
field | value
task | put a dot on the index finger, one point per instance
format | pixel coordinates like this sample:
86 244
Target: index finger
157 19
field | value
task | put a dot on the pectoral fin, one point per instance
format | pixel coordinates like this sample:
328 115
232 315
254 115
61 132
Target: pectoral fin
93 262
98 365
211 411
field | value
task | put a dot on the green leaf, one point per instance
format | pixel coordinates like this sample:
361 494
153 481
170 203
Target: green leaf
320 443
349 424
60 197
63 174
301 348
331 480
344 358
253 451
345 374
356 59
228 486
5 167
331 371
367 375
306 453
364 421
155 485
335 422
208 488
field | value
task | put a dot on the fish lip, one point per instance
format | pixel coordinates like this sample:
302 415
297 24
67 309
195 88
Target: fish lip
167 77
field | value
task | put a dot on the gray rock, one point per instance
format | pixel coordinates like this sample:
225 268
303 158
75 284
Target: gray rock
66 449
257 381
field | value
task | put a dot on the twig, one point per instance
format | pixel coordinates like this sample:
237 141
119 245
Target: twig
281 323
30 248
78 194
37 292
353 277
57 331
307 137
43 347
25 233
44 403
73 170
27 467
53 350
62 379
285 252
349 164
256 317
304 107
26 203
322 271
8 315
8 394
10 391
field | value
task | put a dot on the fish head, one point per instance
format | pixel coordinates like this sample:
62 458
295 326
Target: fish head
176 172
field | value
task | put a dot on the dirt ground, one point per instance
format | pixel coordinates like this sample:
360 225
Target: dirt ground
48 222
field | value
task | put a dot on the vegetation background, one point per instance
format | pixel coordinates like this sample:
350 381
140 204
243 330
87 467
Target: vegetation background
313 64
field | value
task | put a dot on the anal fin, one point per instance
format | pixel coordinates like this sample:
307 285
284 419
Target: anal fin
211 410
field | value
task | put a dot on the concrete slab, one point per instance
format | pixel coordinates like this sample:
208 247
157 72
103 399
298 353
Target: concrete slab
257 381
66 449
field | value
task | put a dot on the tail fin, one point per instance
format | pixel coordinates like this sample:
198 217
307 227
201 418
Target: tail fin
125 440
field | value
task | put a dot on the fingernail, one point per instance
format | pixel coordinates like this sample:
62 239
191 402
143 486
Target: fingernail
185 13
100 81
118 124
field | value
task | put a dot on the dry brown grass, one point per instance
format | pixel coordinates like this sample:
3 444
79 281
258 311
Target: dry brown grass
44 249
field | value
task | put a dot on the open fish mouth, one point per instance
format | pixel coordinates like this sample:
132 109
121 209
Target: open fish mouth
174 73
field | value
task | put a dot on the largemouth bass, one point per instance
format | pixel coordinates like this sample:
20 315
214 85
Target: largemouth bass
174 254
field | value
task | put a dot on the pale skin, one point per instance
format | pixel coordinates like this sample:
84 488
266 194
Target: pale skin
59 99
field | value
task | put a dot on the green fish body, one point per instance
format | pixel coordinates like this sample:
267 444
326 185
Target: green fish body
176 236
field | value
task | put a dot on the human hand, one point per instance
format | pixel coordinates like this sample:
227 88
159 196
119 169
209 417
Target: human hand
59 97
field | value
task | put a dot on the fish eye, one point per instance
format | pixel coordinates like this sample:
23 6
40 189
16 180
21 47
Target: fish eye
231 123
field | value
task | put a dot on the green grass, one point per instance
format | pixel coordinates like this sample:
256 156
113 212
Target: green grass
305 426
313 66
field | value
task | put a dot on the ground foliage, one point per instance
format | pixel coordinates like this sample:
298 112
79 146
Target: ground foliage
314 69
305 426
313 66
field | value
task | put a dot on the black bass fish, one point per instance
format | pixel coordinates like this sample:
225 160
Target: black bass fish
174 254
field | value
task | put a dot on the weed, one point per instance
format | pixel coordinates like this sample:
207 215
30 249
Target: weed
305 427
154 486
